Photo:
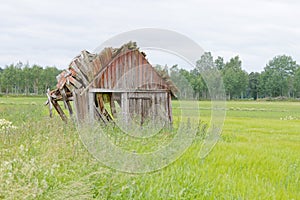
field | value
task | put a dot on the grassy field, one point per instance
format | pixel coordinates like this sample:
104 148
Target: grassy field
257 157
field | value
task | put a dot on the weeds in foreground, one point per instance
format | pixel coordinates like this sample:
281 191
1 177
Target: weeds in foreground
256 158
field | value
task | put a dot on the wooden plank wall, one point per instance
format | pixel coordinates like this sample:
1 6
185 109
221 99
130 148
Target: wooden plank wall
81 105
148 106
130 70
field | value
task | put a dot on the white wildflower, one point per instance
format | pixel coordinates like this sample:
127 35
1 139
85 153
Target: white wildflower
32 160
44 184
290 117
6 126
21 147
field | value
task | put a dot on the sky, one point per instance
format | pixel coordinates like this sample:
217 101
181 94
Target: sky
52 33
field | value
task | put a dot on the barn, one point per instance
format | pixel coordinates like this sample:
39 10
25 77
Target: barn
117 83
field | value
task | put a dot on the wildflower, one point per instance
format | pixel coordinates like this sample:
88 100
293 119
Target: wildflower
21 147
289 118
6 126
44 184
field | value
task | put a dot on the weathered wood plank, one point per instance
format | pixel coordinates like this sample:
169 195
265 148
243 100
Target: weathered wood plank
59 110
64 96
119 75
136 67
91 100
49 102
100 115
125 107
76 66
170 108
84 60
69 108
100 102
75 82
104 90
112 106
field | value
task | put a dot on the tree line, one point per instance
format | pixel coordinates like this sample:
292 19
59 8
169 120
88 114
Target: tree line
280 78
25 79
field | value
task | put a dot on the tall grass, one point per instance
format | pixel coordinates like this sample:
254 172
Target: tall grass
257 157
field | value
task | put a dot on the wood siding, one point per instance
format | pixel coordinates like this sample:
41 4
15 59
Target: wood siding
123 75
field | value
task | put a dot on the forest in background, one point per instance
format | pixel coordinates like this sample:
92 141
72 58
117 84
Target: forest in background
27 79
280 78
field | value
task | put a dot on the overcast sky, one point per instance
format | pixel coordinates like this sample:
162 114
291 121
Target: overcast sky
53 32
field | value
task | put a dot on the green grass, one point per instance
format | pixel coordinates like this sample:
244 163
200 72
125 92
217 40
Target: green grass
257 157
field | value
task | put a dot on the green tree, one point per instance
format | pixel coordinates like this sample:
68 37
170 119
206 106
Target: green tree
36 72
209 76
297 83
9 76
48 76
181 78
206 62
254 84
1 79
18 78
278 76
198 85
27 79
219 62
28 82
235 79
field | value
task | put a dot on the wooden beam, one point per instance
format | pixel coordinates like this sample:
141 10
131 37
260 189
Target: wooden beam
112 106
66 101
100 102
59 110
103 90
91 100
76 66
64 96
69 108
75 82
170 107
125 107
49 102
100 115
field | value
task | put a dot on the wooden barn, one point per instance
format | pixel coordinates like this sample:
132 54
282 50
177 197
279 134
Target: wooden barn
117 83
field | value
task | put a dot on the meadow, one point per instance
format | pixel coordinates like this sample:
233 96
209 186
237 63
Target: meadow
256 157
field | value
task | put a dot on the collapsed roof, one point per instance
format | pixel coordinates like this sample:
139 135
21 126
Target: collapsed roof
88 70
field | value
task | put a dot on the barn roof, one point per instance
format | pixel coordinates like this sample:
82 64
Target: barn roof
85 69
